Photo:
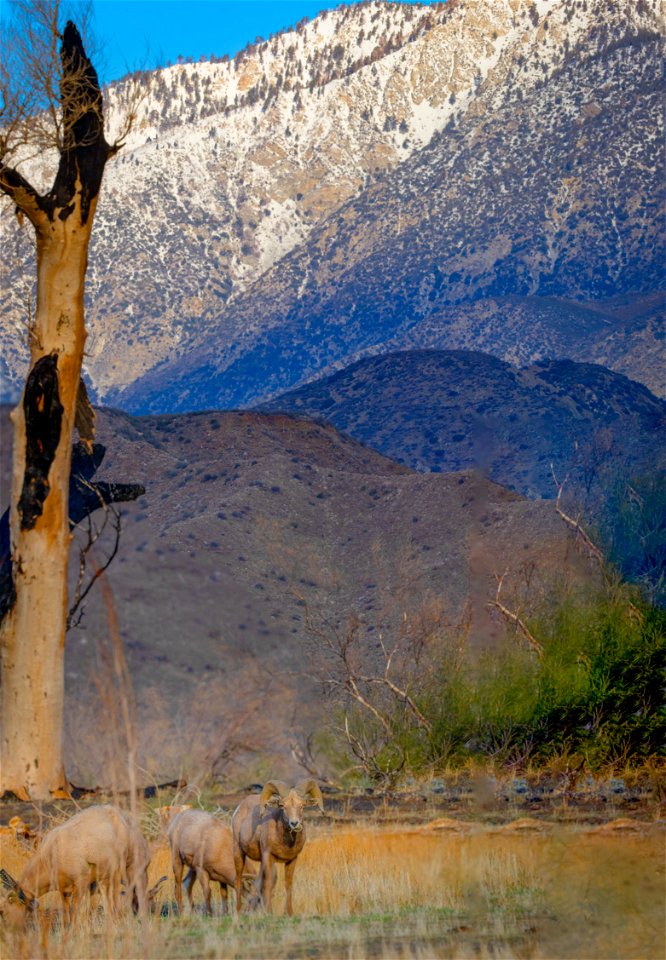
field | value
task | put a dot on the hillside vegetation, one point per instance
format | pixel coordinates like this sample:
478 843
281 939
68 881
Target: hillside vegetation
441 410
253 527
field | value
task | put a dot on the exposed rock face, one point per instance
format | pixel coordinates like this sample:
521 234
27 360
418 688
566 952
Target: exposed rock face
373 180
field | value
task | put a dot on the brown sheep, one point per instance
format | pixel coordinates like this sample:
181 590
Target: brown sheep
204 844
98 848
272 835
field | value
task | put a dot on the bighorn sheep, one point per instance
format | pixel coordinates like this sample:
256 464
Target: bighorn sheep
204 844
272 835
99 848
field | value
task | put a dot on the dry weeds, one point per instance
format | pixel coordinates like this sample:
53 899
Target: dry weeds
373 892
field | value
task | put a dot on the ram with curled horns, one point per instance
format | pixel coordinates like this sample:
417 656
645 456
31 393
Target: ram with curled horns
269 828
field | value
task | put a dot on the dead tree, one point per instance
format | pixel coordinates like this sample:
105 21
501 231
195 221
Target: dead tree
50 106
574 524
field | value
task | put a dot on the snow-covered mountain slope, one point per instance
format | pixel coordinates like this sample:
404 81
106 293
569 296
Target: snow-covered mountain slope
253 194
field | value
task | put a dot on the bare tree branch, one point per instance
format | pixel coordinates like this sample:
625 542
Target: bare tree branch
111 516
368 757
515 619
400 693
592 549
303 754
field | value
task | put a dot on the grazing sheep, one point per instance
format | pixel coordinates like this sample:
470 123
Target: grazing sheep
135 868
272 835
98 848
204 844
13 909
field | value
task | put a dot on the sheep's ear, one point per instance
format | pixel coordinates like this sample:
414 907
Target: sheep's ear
271 789
310 788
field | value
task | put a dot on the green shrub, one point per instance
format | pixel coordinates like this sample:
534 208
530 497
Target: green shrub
597 693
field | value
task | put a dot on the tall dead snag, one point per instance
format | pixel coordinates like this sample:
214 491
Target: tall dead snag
32 634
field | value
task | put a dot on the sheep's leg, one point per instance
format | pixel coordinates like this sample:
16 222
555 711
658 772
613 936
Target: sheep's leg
288 880
140 892
104 888
224 897
74 906
204 879
239 865
258 888
267 877
113 894
108 888
190 877
79 898
66 908
177 865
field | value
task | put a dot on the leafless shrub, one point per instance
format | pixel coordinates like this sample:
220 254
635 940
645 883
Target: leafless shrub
216 729
513 618
381 687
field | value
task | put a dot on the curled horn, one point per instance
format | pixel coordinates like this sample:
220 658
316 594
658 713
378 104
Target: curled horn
270 789
14 888
310 788
155 889
8 881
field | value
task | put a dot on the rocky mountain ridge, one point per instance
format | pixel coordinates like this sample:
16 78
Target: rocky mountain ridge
258 198
542 191
230 165
442 411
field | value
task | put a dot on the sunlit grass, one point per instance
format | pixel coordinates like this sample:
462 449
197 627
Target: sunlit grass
374 892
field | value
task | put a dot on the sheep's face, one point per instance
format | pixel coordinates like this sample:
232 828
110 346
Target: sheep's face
292 810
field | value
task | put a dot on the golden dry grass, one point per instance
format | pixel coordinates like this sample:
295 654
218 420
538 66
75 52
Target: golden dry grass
376 892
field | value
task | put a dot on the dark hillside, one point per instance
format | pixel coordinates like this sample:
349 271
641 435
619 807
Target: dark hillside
246 517
459 410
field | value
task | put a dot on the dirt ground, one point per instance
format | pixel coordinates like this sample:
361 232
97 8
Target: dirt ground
474 799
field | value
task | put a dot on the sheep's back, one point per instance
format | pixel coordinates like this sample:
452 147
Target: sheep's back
92 841
101 838
200 837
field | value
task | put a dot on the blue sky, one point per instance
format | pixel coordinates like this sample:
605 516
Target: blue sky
135 34
147 33
144 34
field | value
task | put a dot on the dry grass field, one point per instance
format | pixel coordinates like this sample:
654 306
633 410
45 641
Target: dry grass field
448 889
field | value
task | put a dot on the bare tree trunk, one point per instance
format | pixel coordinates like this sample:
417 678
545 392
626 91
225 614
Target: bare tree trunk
32 635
